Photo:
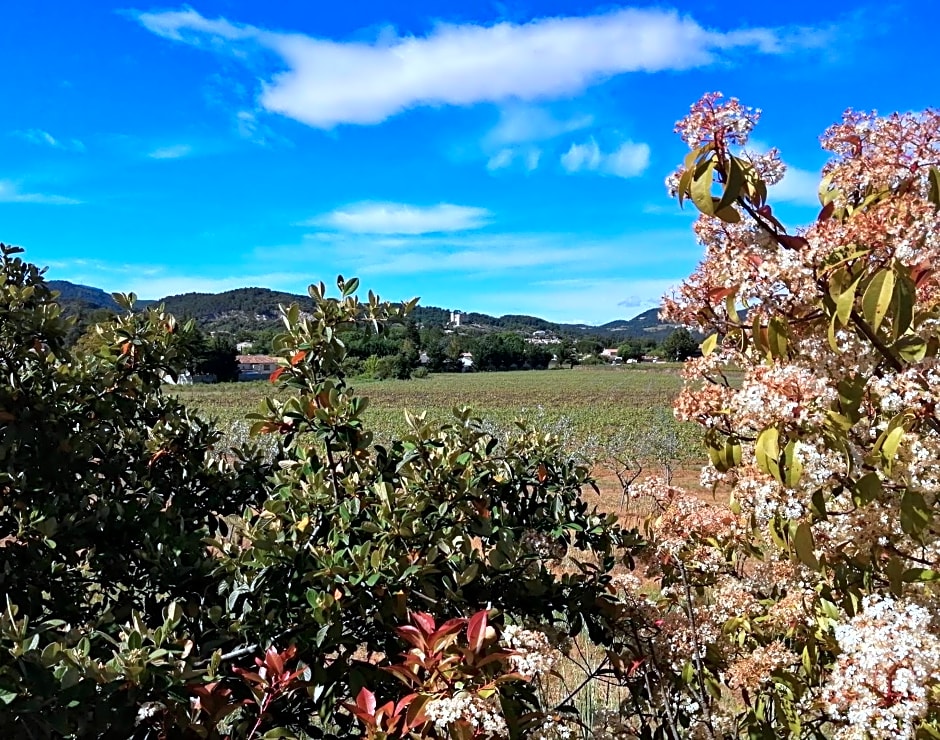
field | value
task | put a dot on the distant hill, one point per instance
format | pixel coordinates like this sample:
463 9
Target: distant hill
82 295
647 324
257 308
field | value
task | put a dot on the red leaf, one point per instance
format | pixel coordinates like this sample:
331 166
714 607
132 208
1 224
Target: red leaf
365 700
274 661
719 294
298 357
423 621
450 627
792 242
826 212
476 631
277 374
361 714
403 674
412 635
542 472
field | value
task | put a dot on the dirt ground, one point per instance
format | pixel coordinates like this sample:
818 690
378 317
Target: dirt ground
632 512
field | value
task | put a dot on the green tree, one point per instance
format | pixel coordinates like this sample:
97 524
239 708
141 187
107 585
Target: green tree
217 358
679 346
632 349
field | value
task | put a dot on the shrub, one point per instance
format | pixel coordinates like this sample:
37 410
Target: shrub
808 606
157 585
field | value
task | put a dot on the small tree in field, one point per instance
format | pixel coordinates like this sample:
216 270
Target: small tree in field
679 346
809 607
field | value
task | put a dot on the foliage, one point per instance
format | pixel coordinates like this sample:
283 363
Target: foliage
679 346
107 492
215 357
158 584
808 607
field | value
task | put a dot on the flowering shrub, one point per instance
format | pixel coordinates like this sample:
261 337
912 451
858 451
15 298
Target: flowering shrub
808 606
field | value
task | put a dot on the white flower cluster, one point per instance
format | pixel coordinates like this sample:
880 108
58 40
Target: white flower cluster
556 727
542 545
482 716
533 653
890 660
712 117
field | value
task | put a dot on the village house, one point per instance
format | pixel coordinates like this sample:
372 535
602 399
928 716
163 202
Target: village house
255 367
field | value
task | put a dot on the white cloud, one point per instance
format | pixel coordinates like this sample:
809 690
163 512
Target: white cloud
799 187
10 193
189 26
627 160
582 157
251 129
525 123
536 256
328 82
503 158
401 218
44 138
171 152
528 156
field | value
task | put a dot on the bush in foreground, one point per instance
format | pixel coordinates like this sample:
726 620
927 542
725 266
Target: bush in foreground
809 607
158 586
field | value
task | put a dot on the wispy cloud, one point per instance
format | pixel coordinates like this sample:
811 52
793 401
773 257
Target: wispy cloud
11 193
528 156
629 159
526 123
539 256
798 187
43 138
176 151
402 218
516 140
328 82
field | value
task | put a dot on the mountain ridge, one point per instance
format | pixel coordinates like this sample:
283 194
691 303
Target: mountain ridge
254 308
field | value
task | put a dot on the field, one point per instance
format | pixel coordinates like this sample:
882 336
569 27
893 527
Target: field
600 412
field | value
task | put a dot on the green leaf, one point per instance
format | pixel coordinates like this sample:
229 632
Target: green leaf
933 178
709 345
792 468
895 572
915 513
845 302
684 182
803 544
877 298
910 347
468 575
918 575
767 451
867 489
890 444
777 338
728 214
732 187
902 305
701 188
351 287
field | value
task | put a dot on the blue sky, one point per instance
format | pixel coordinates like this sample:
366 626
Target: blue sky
505 157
